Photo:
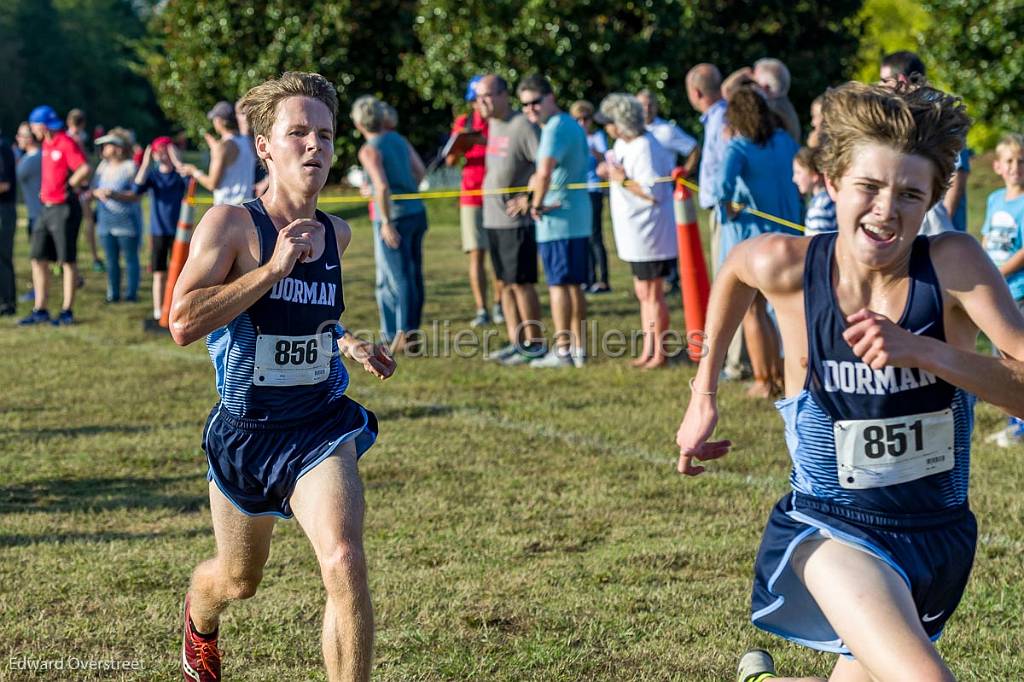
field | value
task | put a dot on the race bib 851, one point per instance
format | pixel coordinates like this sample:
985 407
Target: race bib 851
872 453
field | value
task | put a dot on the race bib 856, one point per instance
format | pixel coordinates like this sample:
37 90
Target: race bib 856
292 360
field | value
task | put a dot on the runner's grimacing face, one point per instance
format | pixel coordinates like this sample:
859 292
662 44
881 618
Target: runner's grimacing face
881 201
301 144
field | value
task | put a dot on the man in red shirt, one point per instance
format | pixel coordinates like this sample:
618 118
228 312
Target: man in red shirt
64 167
473 147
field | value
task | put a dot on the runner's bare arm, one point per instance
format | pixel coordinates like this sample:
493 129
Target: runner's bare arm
770 263
204 299
982 301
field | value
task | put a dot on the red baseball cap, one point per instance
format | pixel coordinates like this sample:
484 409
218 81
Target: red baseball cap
161 142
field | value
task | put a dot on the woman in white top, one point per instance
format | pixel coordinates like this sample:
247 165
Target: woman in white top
643 221
232 170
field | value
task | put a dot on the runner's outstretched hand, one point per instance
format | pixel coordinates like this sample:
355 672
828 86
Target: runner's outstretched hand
692 438
375 358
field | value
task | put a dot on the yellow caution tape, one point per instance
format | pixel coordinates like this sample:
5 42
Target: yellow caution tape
455 193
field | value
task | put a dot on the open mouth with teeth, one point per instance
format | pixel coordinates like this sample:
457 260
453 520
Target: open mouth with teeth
878 234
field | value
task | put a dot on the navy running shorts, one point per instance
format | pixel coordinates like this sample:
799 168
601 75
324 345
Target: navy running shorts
566 261
256 464
932 552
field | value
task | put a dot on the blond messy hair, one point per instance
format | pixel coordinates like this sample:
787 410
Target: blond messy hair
912 119
260 103
1011 142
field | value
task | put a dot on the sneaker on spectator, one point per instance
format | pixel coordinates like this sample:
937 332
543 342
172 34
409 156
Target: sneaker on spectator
35 317
525 354
98 266
64 319
556 357
579 357
502 353
8 310
481 318
497 315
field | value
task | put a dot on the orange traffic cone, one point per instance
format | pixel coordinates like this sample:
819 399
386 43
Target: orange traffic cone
693 271
179 253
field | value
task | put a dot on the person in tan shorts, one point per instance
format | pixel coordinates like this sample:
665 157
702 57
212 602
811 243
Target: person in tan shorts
473 148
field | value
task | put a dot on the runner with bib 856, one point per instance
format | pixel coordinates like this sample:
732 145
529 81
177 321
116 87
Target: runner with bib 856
263 282
868 556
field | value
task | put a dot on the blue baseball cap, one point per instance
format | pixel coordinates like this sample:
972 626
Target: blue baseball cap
471 88
45 115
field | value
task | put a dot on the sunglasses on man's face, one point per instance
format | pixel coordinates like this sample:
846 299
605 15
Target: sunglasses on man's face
532 103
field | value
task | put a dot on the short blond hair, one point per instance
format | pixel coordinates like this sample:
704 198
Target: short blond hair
260 103
911 119
580 108
1013 142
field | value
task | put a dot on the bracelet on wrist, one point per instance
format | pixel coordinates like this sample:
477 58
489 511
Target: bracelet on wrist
694 390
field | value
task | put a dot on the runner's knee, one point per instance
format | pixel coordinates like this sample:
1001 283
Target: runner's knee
242 584
344 565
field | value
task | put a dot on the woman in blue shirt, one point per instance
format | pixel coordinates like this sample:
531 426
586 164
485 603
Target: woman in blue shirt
394 167
757 173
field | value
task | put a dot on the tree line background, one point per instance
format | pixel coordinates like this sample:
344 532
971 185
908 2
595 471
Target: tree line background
154 65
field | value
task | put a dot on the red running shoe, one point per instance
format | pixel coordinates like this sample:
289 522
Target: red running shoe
200 657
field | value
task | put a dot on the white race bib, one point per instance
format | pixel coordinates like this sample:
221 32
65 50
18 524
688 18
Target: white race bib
292 360
873 453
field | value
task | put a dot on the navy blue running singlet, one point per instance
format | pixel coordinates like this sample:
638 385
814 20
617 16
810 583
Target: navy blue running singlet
278 361
893 440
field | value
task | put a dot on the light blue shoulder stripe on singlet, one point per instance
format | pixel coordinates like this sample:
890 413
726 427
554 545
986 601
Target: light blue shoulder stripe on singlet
811 444
339 372
233 352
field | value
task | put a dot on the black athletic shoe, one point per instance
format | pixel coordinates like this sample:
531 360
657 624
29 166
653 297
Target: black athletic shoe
64 319
35 317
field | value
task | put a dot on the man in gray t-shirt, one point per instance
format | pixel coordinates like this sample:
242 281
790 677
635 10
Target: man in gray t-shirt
511 152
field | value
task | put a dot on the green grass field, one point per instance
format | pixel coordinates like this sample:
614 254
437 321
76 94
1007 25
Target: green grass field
522 524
